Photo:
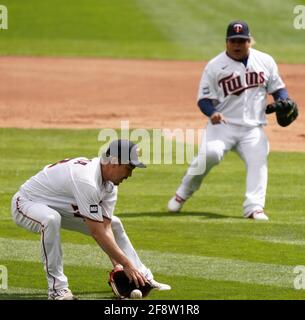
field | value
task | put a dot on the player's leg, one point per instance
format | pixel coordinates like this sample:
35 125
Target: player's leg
74 224
121 238
39 218
120 235
126 246
216 141
253 149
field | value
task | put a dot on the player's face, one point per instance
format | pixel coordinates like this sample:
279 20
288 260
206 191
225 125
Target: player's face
120 172
238 49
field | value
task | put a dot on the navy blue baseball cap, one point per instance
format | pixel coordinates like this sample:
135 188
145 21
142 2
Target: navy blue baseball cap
125 152
238 29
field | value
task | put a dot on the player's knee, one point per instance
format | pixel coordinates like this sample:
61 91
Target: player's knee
52 220
214 156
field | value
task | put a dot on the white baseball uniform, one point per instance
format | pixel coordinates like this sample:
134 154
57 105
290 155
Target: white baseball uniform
61 195
239 92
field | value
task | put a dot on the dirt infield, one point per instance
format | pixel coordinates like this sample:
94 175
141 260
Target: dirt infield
98 93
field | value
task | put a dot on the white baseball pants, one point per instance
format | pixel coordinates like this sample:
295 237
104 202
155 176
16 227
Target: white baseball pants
40 218
252 146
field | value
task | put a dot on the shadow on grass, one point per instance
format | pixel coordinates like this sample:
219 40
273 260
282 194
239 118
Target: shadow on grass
206 215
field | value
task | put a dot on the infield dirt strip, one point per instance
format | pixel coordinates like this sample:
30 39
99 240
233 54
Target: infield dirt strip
99 93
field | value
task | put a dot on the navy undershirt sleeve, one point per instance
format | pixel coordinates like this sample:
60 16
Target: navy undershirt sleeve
206 106
280 94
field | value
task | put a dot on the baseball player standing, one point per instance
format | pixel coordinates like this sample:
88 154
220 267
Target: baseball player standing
80 195
233 94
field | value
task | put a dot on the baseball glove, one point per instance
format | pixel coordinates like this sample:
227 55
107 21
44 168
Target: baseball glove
121 286
286 111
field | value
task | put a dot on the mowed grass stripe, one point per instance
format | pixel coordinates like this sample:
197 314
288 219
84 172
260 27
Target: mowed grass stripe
23 291
211 268
281 241
175 29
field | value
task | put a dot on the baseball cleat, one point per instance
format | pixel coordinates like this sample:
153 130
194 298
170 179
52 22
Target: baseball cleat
159 286
62 294
258 215
175 203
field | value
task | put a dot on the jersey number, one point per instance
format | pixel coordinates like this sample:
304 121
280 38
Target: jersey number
83 162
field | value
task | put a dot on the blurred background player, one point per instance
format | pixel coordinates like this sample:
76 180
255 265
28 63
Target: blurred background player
233 94
80 195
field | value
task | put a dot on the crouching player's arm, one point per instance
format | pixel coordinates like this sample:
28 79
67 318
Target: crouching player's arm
103 235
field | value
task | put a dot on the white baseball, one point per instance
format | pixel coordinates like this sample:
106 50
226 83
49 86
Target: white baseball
136 294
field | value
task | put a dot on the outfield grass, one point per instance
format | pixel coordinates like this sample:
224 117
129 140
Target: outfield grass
208 243
173 29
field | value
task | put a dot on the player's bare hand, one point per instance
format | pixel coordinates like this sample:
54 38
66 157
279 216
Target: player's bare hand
217 118
135 275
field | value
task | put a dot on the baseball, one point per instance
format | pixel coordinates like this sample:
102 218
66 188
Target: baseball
136 294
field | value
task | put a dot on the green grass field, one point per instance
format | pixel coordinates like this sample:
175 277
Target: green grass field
173 29
208 243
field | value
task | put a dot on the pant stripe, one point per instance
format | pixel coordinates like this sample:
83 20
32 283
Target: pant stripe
42 239
19 210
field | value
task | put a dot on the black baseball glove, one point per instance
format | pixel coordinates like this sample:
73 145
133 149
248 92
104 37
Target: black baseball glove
121 286
286 111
